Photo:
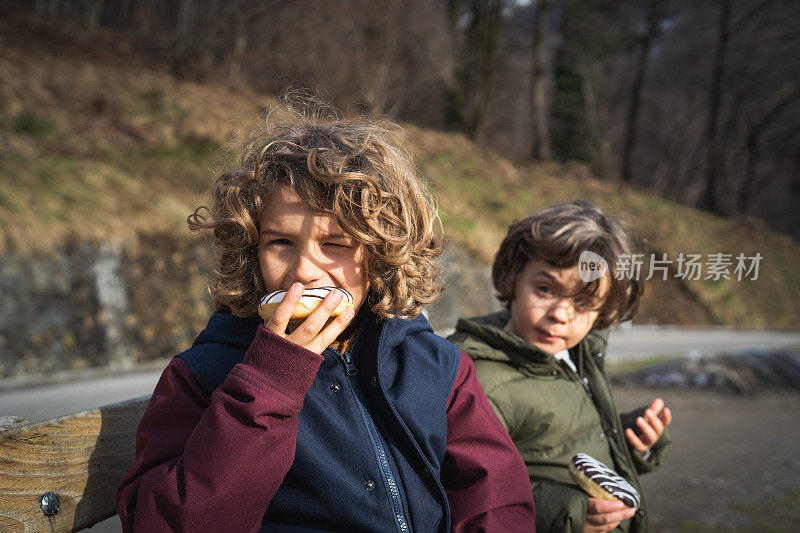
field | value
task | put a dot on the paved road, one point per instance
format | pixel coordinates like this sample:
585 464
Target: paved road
47 401
641 342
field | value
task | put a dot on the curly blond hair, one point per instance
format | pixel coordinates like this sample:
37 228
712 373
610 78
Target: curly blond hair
352 169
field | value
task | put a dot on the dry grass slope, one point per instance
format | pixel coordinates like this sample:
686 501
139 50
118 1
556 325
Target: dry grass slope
96 144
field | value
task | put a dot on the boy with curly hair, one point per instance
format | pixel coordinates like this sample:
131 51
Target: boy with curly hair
365 421
541 363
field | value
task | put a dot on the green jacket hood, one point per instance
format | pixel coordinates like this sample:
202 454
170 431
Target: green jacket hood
483 337
494 343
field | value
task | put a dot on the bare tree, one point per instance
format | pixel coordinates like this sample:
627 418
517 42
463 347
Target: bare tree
542 70
240 40
478 60
456 87
762 118
654 16
712 171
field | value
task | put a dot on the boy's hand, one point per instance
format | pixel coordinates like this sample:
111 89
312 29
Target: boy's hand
605 515
651 426
312 334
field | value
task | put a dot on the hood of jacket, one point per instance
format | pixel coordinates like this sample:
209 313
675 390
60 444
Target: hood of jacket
484 338
229 336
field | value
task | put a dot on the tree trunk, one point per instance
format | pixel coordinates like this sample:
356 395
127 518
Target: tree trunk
761 119
653 22
709 200
53 9
184 27
454 111
482 38
593 119
94 13
239 49
542 147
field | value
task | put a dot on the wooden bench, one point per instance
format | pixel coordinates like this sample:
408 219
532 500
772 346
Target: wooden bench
62 474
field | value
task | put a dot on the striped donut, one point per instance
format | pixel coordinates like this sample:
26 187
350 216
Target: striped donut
309 301
601 482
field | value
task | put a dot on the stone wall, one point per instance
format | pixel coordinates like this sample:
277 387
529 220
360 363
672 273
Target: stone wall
469 290
93 305
113 305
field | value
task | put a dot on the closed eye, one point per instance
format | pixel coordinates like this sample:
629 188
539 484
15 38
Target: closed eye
340 243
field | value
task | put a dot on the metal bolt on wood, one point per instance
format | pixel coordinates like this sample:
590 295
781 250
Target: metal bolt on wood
49 504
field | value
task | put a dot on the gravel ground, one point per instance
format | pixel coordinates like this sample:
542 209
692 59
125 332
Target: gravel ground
733 465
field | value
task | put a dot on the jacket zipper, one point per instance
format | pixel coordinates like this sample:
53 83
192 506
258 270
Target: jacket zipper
583 380
349 368
618 435
401 522
442 493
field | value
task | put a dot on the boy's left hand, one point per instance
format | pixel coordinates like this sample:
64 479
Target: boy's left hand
651 426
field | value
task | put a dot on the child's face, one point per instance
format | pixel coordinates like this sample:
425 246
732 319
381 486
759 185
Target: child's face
540 316
298 244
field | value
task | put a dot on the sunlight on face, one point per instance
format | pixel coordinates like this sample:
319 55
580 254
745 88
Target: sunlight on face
541 317
298 244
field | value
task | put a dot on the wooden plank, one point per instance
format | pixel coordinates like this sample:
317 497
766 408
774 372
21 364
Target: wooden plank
81 458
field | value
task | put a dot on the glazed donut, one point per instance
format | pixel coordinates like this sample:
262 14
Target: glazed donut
601 482
309 301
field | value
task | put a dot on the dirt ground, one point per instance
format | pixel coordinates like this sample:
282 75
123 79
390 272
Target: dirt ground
734 463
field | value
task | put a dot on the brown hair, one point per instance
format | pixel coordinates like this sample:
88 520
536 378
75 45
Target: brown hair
558 235
352 169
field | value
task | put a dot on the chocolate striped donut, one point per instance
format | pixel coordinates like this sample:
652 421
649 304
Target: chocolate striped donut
600 481
309 301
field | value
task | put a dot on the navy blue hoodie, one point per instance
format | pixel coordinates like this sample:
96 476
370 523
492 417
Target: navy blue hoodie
371 448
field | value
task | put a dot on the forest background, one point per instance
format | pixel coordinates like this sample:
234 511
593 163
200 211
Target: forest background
692 100
681 116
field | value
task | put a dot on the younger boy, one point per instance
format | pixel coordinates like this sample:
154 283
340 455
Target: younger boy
541 359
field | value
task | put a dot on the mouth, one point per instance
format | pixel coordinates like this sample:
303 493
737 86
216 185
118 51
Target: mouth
547 336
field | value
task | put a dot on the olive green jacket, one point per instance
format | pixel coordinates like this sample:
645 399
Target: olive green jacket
550 415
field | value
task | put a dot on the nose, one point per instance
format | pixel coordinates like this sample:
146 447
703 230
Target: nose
305 268
562 311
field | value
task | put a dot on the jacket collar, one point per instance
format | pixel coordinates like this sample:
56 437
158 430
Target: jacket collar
488 340
238 332
231 330
499 344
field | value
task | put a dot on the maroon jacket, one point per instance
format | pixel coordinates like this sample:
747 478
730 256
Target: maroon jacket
201 463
